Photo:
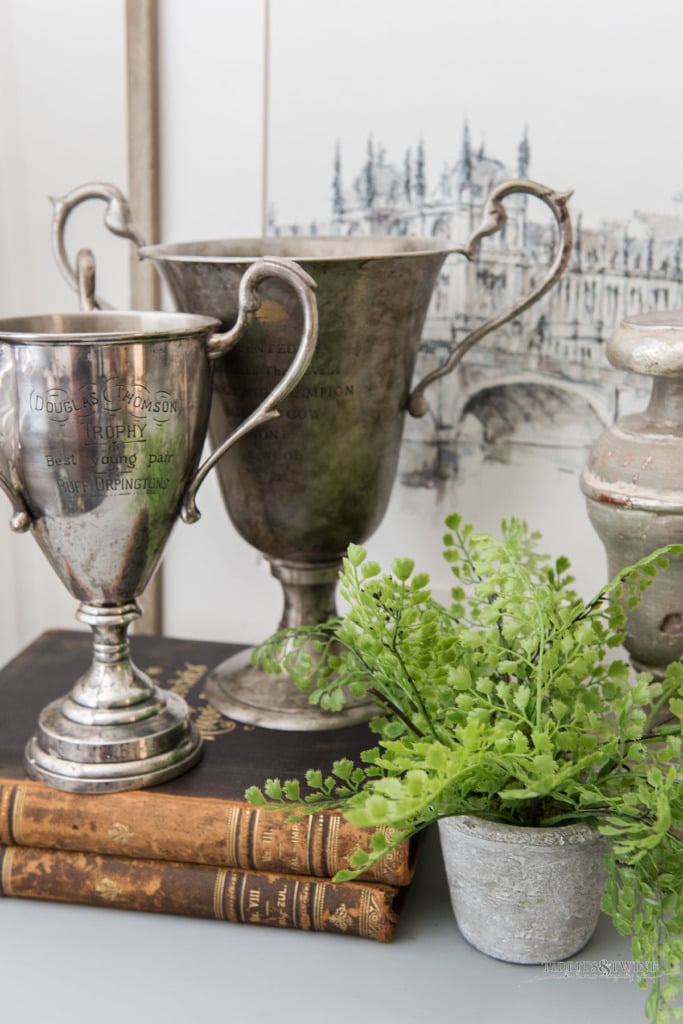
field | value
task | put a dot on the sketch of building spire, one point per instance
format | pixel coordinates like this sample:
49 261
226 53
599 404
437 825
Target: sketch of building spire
466 157
420 174
408 178
368 178
524 155
338 205
578 243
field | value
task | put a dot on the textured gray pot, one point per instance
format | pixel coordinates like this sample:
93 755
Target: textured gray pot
526 895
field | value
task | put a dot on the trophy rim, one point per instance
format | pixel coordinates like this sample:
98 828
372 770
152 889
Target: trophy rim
103 325
300 248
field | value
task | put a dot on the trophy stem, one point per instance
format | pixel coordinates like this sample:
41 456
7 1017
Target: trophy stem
112 681
115 730
308 590
246 693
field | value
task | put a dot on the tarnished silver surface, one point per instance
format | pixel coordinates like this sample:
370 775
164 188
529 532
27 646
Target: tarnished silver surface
102 421
301 495
633 483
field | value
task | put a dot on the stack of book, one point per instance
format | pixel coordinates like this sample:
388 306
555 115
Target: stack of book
193 846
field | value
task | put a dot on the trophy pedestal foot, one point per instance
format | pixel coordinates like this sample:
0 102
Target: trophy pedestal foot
98 758
248 694
115 730
63 772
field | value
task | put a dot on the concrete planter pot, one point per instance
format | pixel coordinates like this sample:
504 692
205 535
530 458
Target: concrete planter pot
526 895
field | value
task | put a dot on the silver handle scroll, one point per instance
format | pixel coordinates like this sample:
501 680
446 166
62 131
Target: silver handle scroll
304 285
117 218
493 220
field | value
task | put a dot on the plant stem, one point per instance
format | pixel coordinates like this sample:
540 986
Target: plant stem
393 709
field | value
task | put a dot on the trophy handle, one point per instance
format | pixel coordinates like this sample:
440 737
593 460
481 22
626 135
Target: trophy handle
219 344
117 218
493 220
21 517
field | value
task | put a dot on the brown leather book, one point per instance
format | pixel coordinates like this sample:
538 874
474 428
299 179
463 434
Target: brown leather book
200 818
368 910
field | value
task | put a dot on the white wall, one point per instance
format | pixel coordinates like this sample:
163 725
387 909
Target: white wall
215 585
62 121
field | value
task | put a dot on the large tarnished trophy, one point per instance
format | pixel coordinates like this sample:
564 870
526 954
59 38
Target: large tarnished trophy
103 417
327 480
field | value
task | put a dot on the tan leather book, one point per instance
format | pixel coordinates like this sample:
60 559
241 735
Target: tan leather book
367 910
201 817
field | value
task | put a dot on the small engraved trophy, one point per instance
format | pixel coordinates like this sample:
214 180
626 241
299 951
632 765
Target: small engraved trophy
102 420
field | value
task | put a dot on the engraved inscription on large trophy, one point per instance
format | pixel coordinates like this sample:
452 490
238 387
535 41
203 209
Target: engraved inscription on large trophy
328 479
102 421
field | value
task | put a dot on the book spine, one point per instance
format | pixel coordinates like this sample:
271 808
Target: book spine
195 890
221 833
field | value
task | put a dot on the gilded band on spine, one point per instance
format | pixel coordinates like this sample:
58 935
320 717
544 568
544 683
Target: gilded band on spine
231 833
16 815
219 893
6 871
318 907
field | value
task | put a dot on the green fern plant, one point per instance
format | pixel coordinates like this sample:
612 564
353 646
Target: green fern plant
513 704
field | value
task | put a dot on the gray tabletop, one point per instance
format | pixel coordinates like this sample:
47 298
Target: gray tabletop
79 964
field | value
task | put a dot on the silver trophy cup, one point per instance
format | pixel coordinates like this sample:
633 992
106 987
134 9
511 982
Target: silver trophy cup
328 480
102 421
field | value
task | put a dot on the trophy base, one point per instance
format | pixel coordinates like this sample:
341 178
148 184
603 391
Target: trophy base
129 748
247 694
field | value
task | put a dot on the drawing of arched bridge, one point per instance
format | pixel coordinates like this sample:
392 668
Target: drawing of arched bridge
505 402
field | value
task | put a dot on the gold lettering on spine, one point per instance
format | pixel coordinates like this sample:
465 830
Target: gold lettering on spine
281 907
218 894
17 814
267 839
250 901
296 839
295 860
6 873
